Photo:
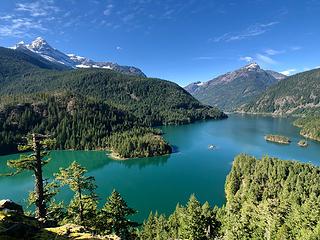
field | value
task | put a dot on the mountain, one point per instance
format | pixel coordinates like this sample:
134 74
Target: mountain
299 94
81 108
42 48
276 75
17 62
236 88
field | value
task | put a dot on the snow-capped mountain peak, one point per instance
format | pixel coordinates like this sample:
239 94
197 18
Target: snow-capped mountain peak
252 67
41 47
78 59
38 44
233 89
19 45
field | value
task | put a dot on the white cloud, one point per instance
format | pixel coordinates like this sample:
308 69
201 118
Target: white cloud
19 27
108 10
246 59
296 48
128 18
119 48
6 17
28 18
37 8
265 59
288 72
203 58
273 52
251 31
317 67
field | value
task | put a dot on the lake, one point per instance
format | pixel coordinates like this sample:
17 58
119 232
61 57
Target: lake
159 183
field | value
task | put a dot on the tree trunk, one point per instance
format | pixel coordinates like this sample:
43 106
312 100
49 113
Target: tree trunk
40 202
80 203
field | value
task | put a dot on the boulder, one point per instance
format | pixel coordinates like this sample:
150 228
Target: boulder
14 225
8 204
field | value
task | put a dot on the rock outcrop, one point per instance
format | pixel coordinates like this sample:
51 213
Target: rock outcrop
15 225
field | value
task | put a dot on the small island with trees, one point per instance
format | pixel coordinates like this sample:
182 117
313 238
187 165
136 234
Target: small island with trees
303 143
137 143
277 139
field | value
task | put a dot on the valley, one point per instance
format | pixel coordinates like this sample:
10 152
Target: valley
111 127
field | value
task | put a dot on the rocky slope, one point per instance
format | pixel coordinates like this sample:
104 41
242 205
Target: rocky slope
233 89
15 225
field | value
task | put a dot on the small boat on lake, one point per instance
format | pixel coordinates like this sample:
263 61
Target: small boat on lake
211 147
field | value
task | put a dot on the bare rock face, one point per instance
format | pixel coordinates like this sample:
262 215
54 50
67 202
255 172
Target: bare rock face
14 224
71 106
9 205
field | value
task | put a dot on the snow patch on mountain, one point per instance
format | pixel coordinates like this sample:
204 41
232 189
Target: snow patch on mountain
41 47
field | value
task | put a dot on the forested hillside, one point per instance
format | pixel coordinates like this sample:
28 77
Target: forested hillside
266 199
75 122
298 94
14 64
272 199
310 127
233 89
82 107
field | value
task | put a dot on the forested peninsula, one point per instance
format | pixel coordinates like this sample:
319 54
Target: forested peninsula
310 127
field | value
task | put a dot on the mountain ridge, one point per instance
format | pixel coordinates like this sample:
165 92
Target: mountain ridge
72 61
298 95
233 89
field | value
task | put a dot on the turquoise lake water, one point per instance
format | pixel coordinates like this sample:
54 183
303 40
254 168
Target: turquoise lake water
159 183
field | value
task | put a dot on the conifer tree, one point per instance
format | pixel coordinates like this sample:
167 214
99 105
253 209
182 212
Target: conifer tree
193 225
54 210
148 229
174 221
34 162
82 208
115 215
161 227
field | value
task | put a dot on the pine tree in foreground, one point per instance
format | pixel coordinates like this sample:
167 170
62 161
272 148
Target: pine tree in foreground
54 210
34 162
193 222
114 217
82 208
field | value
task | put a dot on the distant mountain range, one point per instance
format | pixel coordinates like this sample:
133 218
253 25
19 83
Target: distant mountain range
298 94
41 48
234 89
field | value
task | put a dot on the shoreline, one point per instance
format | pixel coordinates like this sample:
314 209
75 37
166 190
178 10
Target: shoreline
266 114
115 156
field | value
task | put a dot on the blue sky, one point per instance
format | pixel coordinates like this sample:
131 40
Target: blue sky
179 40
